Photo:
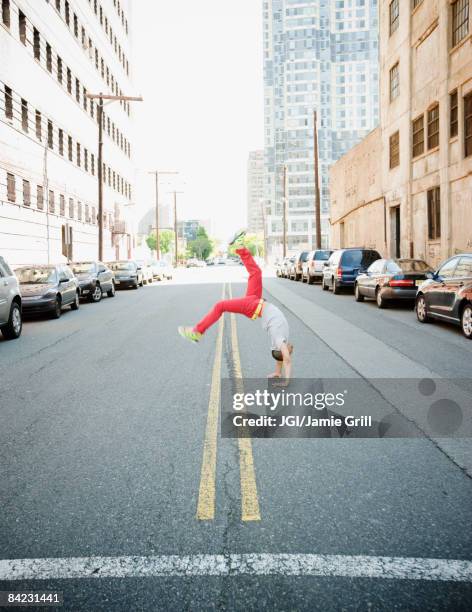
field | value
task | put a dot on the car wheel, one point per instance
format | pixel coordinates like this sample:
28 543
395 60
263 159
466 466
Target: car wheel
96 294
12 330
76 303
357 294
112 291
336 288
135 286
324 286
421 309
56 313
381 302
466 321
310 279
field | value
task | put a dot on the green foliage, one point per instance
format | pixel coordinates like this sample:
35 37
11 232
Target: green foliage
166 241
253 242
201 247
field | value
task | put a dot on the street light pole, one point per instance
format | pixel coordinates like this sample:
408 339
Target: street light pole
156 174
100 96
176 255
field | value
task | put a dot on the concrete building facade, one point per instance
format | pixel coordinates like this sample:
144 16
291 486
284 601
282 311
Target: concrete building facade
407 188
53 53
255 192
318 55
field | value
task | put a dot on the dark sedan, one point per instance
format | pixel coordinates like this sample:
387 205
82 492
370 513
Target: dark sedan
391 279
47 289
95 279
446 295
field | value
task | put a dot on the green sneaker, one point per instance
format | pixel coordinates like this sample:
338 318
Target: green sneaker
189 334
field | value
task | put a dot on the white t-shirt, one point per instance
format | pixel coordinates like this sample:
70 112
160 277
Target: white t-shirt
275 324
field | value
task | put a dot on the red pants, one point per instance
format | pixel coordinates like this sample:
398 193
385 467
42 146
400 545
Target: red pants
246 305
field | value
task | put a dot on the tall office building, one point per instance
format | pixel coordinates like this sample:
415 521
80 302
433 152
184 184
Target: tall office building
255 191
52 54
318 55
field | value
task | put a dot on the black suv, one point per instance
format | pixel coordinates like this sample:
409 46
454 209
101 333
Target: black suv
344 265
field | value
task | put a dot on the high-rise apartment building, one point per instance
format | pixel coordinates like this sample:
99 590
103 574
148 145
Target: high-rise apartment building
318 55
255 192
52 54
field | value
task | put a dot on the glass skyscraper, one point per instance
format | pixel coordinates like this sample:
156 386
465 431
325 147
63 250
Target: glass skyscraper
318 55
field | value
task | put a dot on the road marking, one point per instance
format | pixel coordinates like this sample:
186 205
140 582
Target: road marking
249 500
207 492
265 564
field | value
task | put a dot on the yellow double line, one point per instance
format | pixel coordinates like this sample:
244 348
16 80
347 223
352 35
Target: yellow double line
207 492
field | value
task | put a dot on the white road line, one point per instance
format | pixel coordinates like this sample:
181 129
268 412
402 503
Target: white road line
344 566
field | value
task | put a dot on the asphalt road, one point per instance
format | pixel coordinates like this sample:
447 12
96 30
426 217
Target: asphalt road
104 422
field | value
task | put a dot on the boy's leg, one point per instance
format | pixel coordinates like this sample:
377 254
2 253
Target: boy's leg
254 283
237 305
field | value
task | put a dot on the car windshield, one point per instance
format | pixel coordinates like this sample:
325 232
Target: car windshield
413 265
322 255
122 265
83 268
37 275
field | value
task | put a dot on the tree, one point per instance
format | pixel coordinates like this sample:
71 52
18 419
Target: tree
202 246
253 242
166 241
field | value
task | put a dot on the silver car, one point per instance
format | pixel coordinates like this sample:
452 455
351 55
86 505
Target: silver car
10 303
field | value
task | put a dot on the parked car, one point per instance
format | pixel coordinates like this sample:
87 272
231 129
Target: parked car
391 279
295 268
95 279
47 289
10 303
344 265
312 267
286 265
446 295
126 274
146 269
161 270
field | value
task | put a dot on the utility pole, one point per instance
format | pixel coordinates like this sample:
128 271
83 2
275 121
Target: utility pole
158 242
175 227
317 183
46 199
264 230
284 213
110 99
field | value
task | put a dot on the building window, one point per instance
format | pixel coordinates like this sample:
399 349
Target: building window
11 190
48 57
84 98
92 163
62 205
39 197
36 44
71 208
78 154
433 127
26 193
67 13
394 82
69 147
69 81
395 150
24 115
50 135
22 26
79 211
453 114
394 15
59 69
52 204
86 160
418 136
38 125
61 141
76 26
6 12
434 213
468 125
91 107
58 5
77 90
460 21
8 102
416 3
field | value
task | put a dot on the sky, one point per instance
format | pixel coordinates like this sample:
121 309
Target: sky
198 66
